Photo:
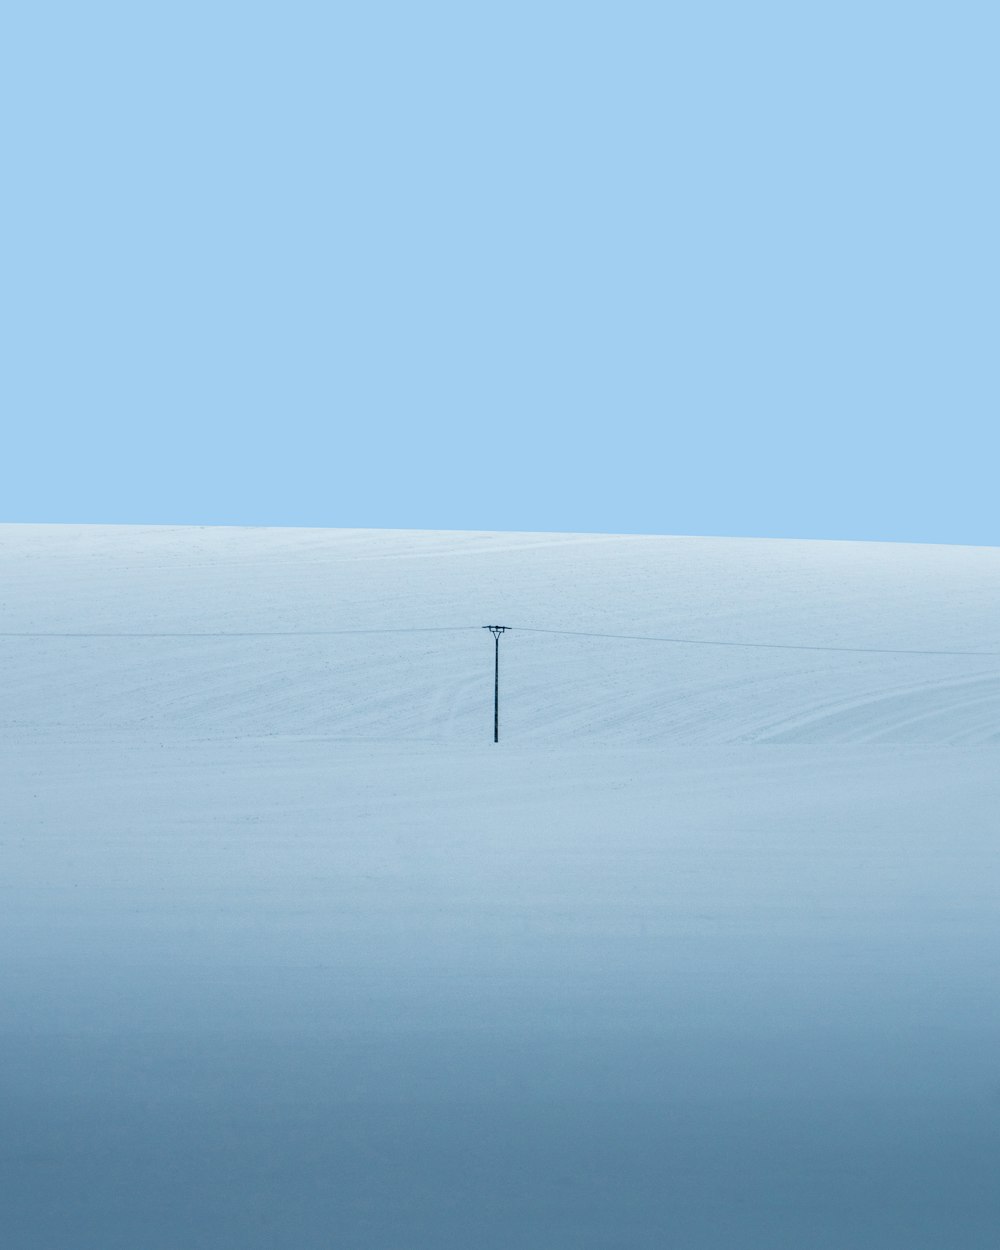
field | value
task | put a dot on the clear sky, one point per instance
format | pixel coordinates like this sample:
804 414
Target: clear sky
716 268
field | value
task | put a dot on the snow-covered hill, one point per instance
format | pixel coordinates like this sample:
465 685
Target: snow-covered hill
66 588
704 955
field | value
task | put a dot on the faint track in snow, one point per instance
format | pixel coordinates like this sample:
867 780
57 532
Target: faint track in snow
892 715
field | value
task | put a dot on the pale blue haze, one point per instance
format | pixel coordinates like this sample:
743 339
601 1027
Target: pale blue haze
711 268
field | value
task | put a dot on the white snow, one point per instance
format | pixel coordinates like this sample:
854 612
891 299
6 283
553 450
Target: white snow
703 954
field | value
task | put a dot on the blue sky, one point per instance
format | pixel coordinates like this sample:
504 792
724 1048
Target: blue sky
702 268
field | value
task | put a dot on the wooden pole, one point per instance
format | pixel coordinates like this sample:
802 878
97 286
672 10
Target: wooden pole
496 631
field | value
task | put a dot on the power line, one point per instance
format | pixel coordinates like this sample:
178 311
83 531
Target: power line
524 629
768 646
260 633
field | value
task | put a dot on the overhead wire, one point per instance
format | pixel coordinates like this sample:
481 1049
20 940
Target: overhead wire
525 629
258 633
768 646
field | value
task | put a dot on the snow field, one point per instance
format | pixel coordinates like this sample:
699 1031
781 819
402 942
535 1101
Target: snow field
704 954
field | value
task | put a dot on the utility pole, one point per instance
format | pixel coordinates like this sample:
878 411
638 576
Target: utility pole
496 631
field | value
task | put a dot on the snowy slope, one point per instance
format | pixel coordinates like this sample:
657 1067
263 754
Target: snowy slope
703 956
81 582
